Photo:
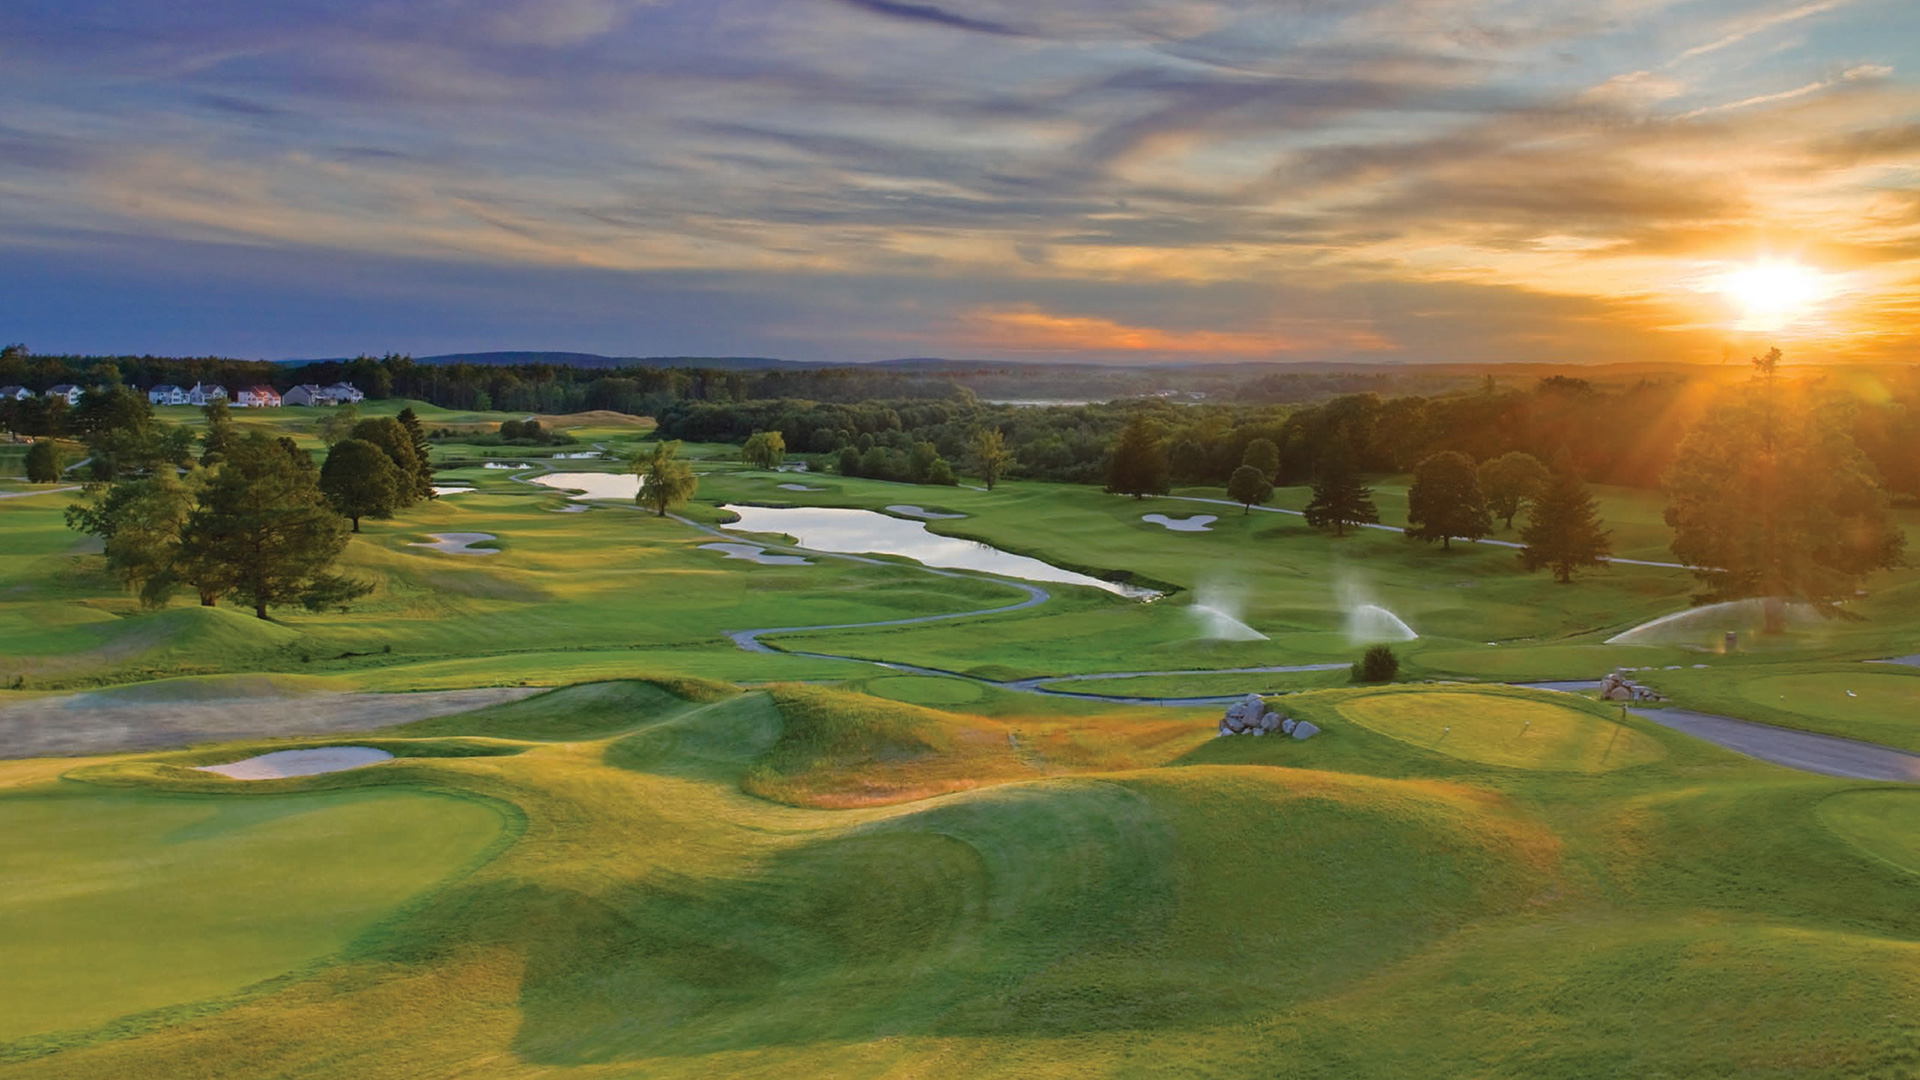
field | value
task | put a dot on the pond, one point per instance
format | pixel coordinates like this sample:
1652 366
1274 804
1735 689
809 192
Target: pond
592 485
864 532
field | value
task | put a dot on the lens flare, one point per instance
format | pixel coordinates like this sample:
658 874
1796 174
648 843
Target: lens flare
1772 295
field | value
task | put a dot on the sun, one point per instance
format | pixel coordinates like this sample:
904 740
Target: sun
1773 294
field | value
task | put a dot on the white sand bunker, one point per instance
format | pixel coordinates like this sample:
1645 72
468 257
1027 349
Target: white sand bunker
797 487
1196 523
449 489
284 763
460 543
570 508
754 553
910 510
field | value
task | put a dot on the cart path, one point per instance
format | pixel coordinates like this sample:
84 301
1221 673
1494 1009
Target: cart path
1807 751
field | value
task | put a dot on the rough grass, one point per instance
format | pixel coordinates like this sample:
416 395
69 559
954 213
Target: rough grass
1355 905
1517 732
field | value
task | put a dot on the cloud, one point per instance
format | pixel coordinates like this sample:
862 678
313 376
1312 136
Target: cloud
927 13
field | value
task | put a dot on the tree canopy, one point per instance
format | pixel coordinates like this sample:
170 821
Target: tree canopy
359 480
665 480
139 522
1511 482
412 475
1340 500
1563 530
991 458
1249 487
1138 464
1769 496
765 450
1264 455
43 462
1445 500
263 530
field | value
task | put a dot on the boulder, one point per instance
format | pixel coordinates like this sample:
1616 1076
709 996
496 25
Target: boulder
1288 725
1224 729
1304 730
1270 722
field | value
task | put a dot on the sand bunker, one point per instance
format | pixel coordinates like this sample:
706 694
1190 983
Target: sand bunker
506 465
798 487
460 543
1196 523
570 508
910 510
754 553
284 763
447 489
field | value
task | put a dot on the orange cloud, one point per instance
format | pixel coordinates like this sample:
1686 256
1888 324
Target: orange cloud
1029 329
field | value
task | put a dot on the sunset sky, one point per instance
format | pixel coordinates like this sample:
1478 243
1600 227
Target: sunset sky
1375 180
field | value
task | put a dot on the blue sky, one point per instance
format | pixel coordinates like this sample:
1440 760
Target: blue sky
1376 180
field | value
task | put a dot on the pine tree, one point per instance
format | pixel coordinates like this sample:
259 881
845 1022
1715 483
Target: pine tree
1445 500
422 478
1339 498
359 480
1563 531
1249 487
263 530
1138 465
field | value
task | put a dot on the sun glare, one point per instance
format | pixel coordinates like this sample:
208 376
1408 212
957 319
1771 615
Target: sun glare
1772 295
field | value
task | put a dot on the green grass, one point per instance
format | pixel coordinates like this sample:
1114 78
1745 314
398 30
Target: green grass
122 904
1517 732
1883 706
1356 905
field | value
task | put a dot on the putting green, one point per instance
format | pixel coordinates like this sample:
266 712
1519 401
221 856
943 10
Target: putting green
1884 824
1499 730
117 904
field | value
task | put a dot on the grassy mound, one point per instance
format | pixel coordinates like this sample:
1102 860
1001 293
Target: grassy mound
1884 824
838 748
587 711
1502 728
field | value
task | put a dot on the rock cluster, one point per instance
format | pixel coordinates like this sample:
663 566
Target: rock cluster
1250 716
1617 687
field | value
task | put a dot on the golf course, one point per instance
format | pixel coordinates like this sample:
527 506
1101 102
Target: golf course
825 775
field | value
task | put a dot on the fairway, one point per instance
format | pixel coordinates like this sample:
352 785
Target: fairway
1520 733
1879 706
119 904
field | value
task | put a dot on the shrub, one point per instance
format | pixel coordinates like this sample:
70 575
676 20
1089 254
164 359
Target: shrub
1378 665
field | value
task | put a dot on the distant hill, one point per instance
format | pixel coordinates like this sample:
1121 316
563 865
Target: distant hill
594 360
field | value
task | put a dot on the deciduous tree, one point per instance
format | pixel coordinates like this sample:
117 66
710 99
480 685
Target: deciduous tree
1262 454
991 458
359 480
139 522
765 450
1249 487
665 481
1511 482
1769 496
43 462
1445 500
392 438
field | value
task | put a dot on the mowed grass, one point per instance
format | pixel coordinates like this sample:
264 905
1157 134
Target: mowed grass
1356 905
115 904
1871 702
1517 732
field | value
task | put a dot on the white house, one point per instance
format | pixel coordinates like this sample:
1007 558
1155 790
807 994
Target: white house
204 393
345 394
14 393
167 394
66 390
306 394
258 397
